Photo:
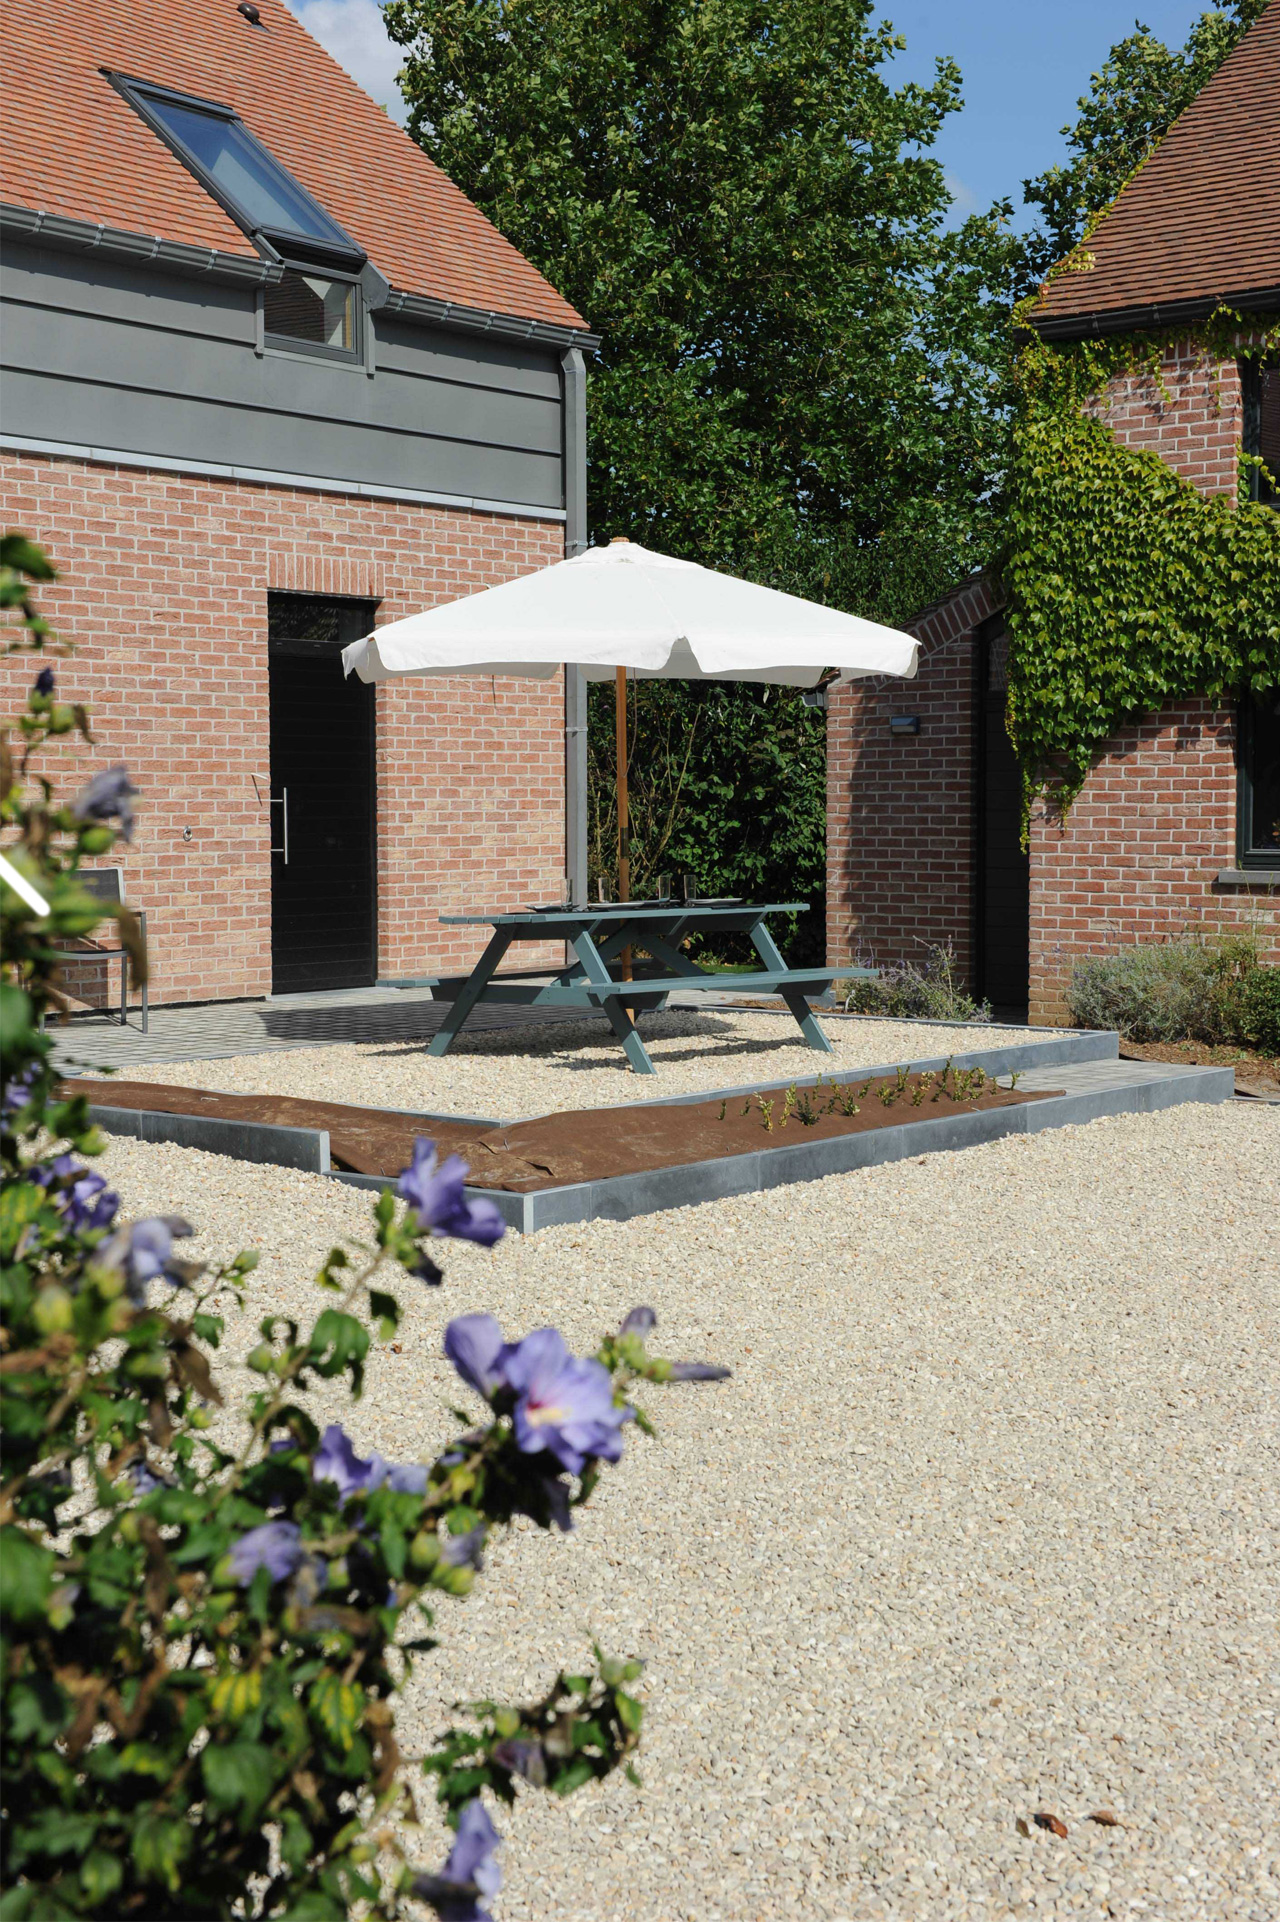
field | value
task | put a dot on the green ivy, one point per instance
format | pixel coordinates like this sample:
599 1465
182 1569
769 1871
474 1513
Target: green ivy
1127 588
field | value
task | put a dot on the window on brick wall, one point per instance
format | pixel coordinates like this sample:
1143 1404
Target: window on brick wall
1259 811
1261 384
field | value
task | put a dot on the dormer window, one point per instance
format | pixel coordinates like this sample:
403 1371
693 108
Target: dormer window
264 199
310 308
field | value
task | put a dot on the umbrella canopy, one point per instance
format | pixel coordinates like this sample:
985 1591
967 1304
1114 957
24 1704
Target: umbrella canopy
622 606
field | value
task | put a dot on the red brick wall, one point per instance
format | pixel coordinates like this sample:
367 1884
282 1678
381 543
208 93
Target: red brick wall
1138 856
1156 821
1191 415
164 593
900 808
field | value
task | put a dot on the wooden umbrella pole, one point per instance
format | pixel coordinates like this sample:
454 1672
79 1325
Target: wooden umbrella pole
624 818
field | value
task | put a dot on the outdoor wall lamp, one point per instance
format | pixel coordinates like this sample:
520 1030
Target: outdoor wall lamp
904 724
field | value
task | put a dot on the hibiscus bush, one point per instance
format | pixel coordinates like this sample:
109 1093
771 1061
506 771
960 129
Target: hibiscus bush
207 1621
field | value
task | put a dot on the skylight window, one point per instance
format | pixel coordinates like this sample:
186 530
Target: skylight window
235 167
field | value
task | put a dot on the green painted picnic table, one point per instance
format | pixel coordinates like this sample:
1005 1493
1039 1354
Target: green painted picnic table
597 936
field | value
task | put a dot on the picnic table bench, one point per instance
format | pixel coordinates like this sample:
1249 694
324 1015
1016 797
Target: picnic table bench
598 936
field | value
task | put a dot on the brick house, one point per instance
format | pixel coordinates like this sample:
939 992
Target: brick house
270 379
1178 825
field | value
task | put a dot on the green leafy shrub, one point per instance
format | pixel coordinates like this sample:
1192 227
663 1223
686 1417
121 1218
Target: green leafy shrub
916 991
1259 1010
1211 990
203 1643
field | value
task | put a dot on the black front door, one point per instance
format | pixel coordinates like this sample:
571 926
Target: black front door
323 819
1003 865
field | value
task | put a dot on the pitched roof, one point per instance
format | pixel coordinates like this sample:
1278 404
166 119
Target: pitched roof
73 146
1199 222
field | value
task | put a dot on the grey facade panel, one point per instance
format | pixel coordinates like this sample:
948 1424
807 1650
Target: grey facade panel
114 290
151 362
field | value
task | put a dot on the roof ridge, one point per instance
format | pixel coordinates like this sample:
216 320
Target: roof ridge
75 149
1162 249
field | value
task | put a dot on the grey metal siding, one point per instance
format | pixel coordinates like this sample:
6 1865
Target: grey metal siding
146 361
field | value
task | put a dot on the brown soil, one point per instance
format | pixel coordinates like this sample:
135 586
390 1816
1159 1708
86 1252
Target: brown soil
588 1145
369 1141
1256 1074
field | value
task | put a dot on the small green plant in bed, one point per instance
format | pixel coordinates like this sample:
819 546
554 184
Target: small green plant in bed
927 990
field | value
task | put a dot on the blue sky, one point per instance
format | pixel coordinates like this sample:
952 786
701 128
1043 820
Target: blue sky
1024 63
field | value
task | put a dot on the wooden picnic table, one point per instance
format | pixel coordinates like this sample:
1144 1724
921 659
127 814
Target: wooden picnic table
597 937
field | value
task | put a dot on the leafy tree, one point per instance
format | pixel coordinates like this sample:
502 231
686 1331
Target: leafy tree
1142 88
801 372
795 351
728 784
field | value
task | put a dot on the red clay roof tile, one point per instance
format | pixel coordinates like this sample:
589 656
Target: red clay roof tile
1200 220
73 146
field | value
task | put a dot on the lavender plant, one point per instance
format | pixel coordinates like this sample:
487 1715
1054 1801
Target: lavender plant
203 1643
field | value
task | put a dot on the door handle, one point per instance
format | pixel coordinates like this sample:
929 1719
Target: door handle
281 801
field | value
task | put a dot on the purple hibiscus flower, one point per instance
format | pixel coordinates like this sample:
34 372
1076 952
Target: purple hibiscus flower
144 1479
275 1546
642 1321
474 1344
106 798
469 1873
144 1252
563 1404
464 1551
84 1197
521 1755
336 1461
434 1190
17 1092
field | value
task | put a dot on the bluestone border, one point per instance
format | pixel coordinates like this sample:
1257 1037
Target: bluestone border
623 1197
305 1148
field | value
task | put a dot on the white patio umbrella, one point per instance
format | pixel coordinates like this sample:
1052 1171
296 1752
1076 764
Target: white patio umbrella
623 607
620 612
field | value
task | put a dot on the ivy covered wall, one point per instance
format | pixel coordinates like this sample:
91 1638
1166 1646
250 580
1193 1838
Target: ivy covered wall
1129 585
1144 601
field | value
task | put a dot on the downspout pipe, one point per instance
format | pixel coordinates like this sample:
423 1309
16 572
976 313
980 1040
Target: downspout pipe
574 371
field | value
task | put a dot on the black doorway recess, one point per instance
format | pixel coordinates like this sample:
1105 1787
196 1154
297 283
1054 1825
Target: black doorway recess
1003 867
323 809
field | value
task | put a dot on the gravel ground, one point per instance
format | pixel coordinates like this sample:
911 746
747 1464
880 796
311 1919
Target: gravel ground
528 1071
984 1524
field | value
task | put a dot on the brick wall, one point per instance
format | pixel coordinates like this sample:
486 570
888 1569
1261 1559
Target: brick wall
900 808
1155 824
164 593
1191 415
1138 856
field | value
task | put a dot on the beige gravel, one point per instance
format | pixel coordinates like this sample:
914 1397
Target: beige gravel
984 1524
528 1071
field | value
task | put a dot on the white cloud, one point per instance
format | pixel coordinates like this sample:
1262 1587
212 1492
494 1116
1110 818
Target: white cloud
962 198
352 31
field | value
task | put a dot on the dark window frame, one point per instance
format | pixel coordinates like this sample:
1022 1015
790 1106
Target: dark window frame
280 243
1247 854
1251 439
353 356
